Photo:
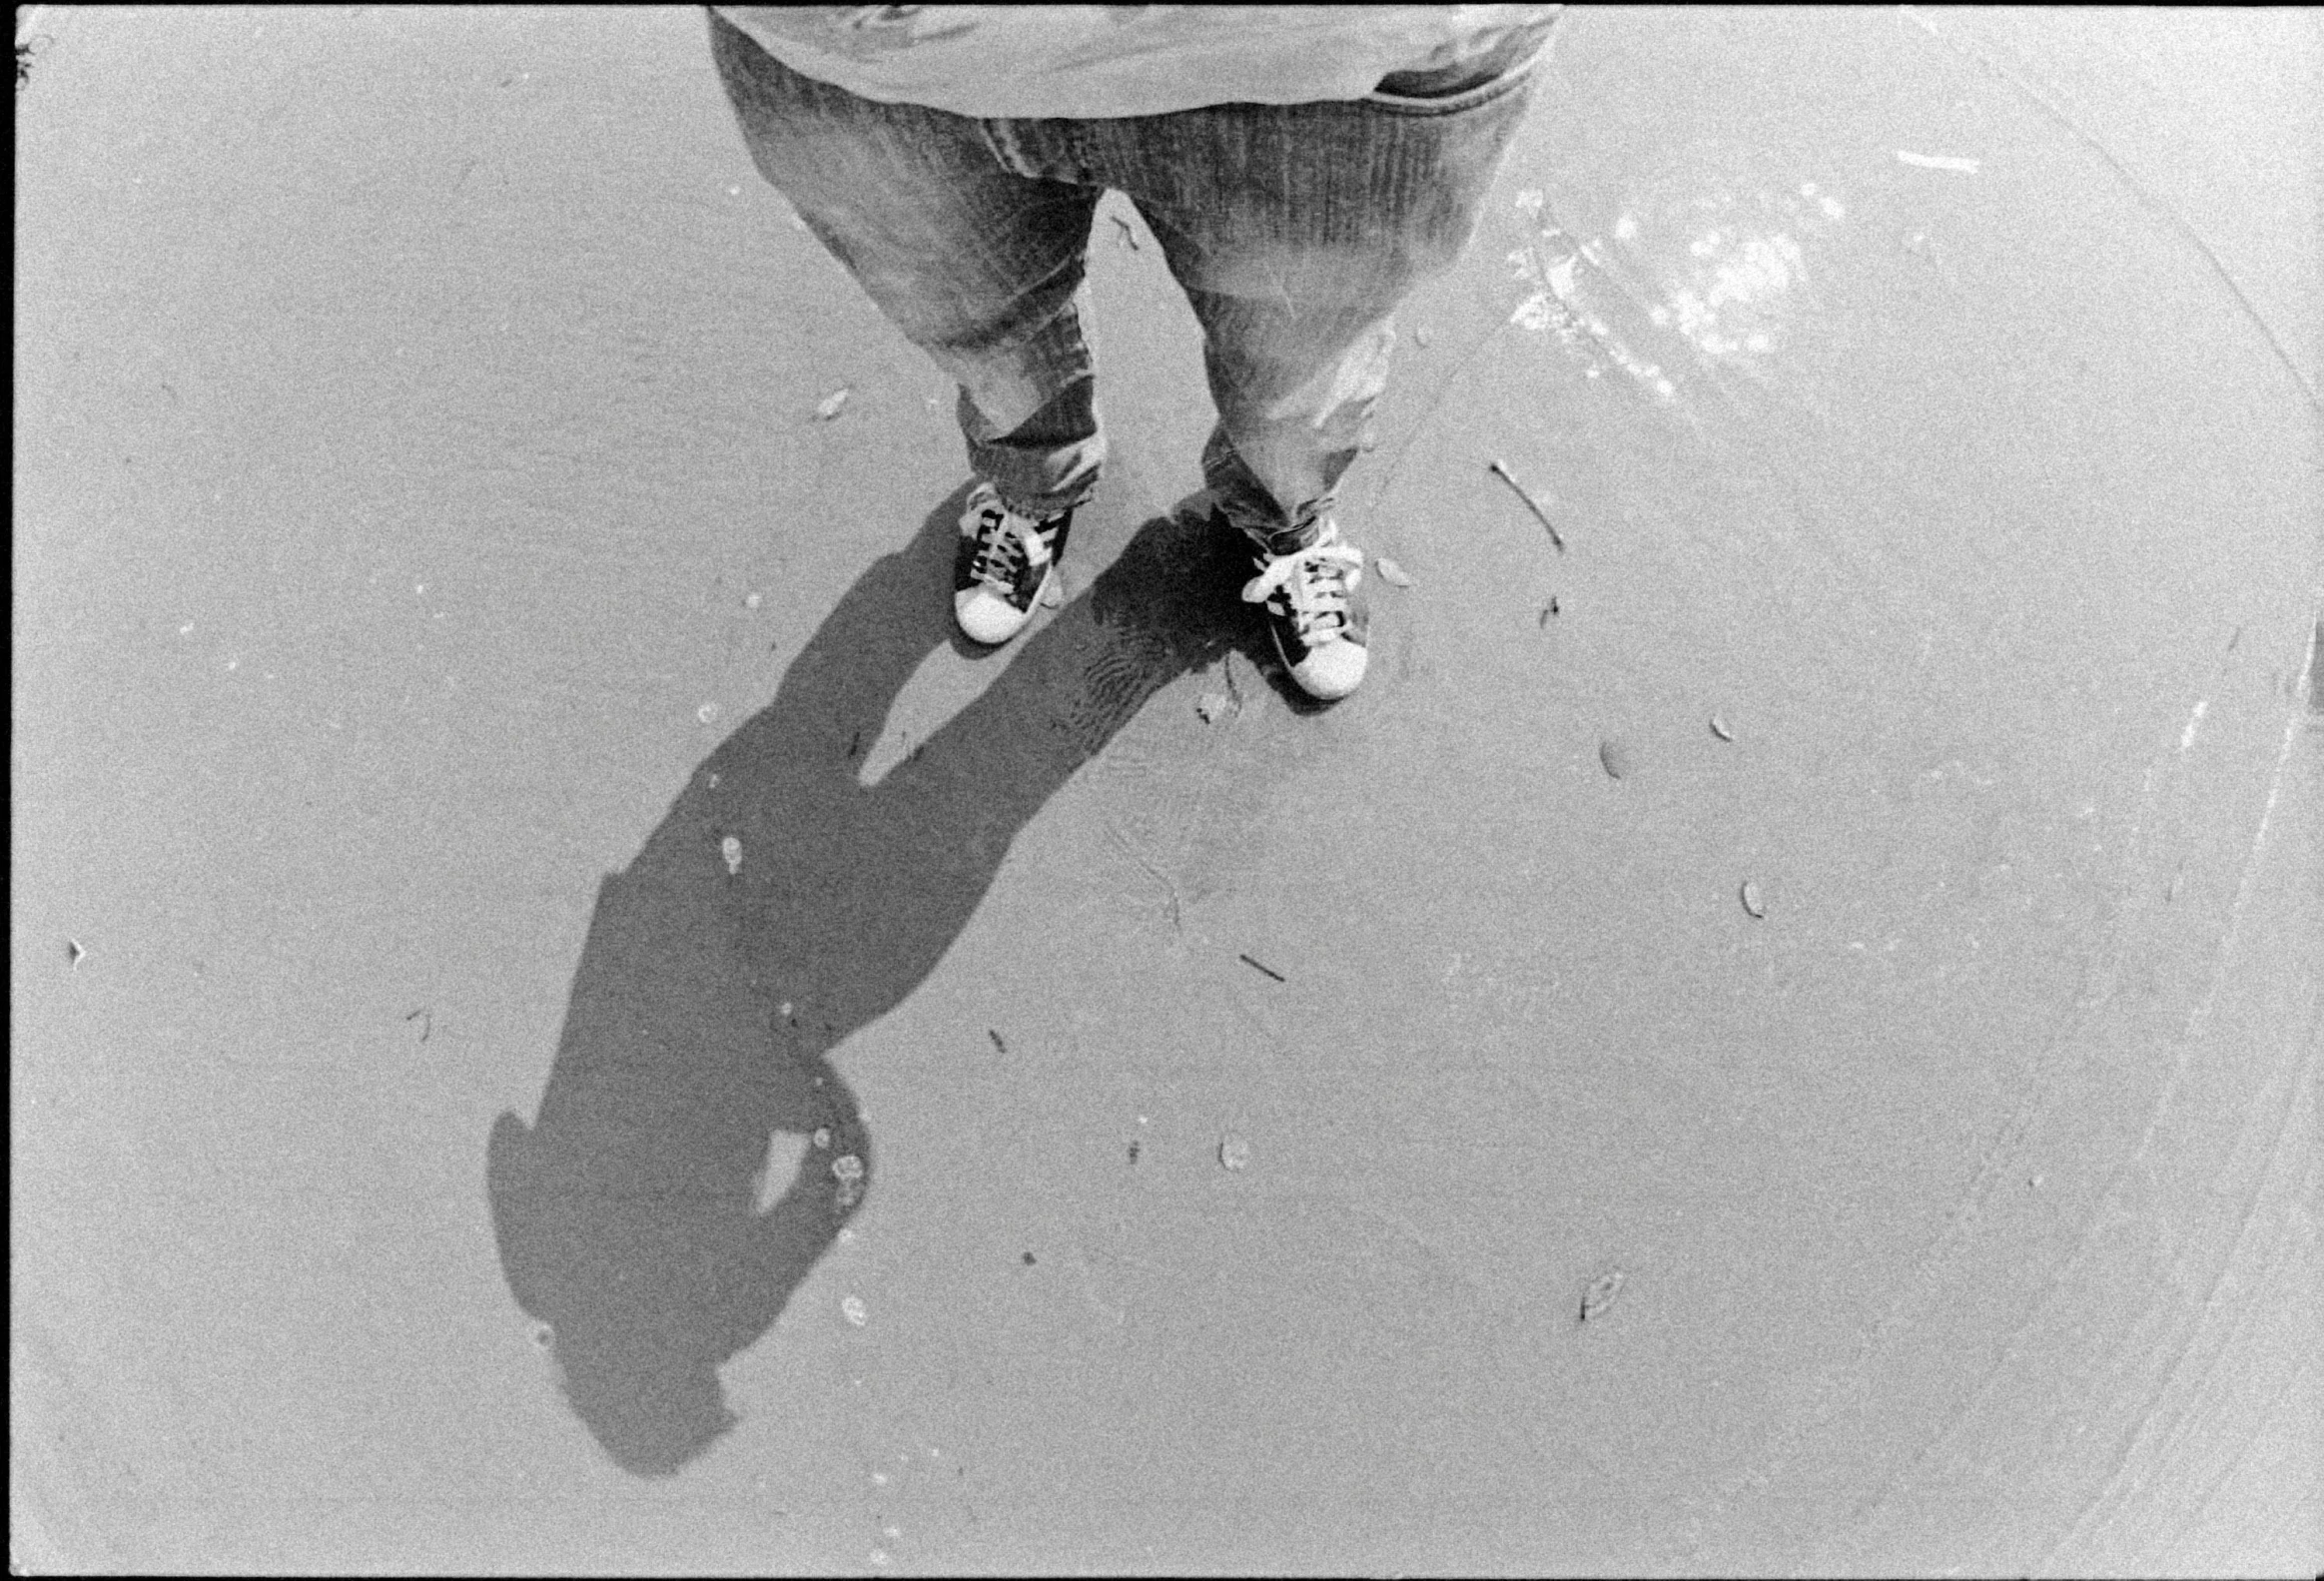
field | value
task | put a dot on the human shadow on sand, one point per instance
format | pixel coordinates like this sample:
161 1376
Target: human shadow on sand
708 1001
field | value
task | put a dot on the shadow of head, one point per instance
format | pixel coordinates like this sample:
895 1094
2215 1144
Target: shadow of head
782 904
654 1406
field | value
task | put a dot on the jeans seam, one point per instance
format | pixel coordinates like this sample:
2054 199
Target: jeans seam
1001 141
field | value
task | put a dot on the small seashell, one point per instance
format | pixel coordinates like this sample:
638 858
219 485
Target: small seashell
1420 336
1751 899
1235 1153
828 408
731 849
1601 1294
848 1166
853 1307
1616 758
1390 572
823 1135
1719 729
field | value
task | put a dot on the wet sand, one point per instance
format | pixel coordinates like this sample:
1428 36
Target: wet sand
1778 1036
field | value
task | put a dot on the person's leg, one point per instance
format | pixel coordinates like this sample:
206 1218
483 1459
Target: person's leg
1295 231
979 267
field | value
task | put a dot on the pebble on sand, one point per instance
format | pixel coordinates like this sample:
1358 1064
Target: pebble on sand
731 849
1616 758
852 1307
828 408
1390 572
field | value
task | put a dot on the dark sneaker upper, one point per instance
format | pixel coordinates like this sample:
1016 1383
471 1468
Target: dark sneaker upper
1001 566
1319 625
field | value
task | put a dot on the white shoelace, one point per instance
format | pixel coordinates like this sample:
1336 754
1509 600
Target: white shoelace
1004 537
1315 582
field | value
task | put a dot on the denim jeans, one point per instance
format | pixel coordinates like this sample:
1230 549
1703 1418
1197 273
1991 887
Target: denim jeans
1294 229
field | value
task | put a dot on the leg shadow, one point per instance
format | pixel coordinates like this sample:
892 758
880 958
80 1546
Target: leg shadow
707 1001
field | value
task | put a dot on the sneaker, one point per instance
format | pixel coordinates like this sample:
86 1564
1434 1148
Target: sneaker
1318 625
1001 565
